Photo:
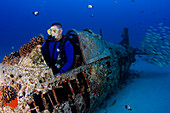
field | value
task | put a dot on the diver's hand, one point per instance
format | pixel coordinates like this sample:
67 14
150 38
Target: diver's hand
57 74
58 66
61 71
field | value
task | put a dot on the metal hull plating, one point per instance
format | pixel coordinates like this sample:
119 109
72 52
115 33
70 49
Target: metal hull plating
81 89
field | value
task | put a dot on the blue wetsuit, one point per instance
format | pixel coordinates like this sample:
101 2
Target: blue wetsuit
69 53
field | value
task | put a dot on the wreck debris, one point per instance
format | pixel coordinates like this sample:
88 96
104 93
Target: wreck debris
78 90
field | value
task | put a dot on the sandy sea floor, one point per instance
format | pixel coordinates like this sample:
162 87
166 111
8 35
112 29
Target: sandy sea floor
150 93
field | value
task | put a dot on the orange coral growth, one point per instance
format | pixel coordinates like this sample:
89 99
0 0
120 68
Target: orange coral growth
8 93
27 48
12 104
14 57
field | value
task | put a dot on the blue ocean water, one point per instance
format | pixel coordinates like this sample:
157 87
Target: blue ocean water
18 25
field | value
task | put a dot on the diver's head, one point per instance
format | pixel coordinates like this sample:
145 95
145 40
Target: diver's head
55 31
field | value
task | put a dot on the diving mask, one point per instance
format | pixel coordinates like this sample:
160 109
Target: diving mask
53 30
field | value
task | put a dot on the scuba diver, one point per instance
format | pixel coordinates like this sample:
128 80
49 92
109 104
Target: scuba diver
57 50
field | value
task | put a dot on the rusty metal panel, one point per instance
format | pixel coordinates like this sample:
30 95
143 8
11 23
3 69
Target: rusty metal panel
93 49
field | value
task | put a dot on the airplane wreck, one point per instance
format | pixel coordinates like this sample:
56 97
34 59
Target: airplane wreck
27 84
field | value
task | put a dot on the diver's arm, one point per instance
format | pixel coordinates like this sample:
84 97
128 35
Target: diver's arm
69 57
